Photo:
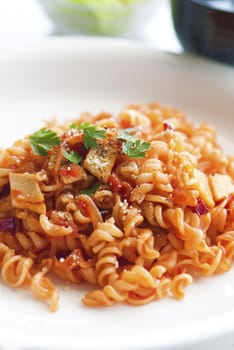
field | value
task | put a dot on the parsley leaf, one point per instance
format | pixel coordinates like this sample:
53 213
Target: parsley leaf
73 126
72 156
43 140
125 134
91 133
90 191
135 149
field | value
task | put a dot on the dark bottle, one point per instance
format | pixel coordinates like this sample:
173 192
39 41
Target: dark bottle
205 27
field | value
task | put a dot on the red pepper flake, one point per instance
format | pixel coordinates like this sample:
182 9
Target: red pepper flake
167 126
122 188
200 208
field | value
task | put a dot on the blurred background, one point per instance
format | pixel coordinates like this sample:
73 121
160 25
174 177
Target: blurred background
146 20
205 27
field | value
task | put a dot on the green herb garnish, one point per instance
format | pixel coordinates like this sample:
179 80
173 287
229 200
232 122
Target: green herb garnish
72 156
90 191
43 140
135 148
73 126
131 146
91 133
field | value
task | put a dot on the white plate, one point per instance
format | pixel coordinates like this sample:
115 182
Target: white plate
61 77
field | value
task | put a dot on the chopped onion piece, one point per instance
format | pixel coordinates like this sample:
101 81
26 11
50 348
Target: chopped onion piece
200 208
7 225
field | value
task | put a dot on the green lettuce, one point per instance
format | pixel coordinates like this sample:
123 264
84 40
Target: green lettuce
103 2
96 17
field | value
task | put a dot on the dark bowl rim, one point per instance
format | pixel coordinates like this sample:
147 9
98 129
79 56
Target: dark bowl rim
204 4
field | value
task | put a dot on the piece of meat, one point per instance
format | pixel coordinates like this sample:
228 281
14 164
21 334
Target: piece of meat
26 193
221 185
100 161
204 188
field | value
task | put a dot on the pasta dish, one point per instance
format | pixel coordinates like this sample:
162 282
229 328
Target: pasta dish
138 205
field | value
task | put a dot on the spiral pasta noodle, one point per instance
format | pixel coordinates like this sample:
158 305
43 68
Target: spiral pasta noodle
138 205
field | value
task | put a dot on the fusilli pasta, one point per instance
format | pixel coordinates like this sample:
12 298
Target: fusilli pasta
138 205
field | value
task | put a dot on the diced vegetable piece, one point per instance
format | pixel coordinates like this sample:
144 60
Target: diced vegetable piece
221 185
123 188
72 173
204 188
100 161
7 225
26 193
200 208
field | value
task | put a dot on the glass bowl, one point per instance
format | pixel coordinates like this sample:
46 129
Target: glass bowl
101 17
